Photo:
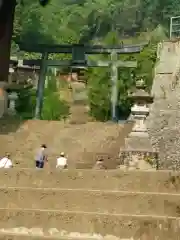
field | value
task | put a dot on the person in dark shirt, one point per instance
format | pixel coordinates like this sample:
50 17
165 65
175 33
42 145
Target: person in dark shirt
41 157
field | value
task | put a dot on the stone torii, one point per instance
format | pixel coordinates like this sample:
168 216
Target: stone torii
79 58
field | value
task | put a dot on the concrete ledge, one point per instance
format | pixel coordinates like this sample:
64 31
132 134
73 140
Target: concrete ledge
8 236
117 202
121 225
145 181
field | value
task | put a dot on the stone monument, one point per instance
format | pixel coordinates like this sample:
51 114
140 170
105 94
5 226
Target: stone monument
138 152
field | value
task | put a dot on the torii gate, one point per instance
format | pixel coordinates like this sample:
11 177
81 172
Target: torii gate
79 58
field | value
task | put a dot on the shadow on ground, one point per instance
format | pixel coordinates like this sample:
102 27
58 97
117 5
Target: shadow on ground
10 124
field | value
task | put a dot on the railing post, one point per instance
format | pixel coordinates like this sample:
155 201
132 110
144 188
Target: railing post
170 29
114 80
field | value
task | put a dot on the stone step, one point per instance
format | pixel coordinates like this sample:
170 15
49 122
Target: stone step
91 201
76 140
20 236
125 226
145 181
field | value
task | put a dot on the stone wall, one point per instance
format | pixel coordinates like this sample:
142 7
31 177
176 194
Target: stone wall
164 119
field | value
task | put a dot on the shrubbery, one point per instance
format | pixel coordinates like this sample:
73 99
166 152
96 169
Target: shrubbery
53 107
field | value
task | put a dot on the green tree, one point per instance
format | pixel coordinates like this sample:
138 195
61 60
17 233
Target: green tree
53 107
99 90
71 21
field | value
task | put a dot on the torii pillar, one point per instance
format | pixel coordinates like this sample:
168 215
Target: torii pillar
7 9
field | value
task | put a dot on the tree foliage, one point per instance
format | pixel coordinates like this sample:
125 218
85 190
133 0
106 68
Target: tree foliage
99 84
105 22
26 102
84 20
54 108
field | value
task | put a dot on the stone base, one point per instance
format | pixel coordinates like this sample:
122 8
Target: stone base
11 112
138 160
139 134
139 165
138 143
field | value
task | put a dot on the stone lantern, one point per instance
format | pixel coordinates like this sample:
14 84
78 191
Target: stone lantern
12 103
138 152
140 110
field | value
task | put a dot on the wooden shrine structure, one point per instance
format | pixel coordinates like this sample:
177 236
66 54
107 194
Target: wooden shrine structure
79 58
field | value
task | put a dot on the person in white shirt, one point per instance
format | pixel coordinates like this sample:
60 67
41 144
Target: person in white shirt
61 161
6 162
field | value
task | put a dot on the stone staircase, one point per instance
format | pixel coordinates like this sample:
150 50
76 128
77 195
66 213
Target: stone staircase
82 143
89 204
79 108
75 94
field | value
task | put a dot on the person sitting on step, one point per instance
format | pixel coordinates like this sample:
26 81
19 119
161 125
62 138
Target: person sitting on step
61 161
6 162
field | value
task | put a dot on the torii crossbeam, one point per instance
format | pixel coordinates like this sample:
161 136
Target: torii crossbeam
79 58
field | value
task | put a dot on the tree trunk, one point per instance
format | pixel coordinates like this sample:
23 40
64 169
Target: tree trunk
6 26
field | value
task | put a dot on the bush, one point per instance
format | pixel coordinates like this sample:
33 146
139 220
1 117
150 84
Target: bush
53 107
99 90
25 105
